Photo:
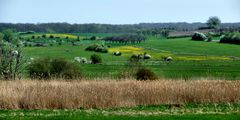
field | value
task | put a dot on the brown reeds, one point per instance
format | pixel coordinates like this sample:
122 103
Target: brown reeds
27 94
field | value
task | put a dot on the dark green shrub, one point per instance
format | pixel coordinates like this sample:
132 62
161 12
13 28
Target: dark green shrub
93 38
59 43
78 38
101 49
61 68
33 37
136 58
25 44
97 48
232 38
44 36
199 36
51 36
8 35
53 68
145 74
96 59
92 47
40 69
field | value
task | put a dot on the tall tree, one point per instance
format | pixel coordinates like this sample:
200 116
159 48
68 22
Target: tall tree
213 22
1 37
8 35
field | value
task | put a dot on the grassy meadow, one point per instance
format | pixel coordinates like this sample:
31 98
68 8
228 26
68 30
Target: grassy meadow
160 112
191 59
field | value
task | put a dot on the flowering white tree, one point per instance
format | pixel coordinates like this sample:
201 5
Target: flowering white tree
10 58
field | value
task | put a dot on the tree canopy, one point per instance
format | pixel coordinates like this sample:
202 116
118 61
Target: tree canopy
213 22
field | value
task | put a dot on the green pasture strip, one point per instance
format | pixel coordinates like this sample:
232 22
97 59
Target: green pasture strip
163 112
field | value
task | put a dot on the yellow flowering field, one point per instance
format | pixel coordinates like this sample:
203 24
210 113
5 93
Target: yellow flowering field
127 49
63 36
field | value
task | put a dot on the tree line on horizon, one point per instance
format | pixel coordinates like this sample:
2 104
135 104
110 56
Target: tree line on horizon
108 28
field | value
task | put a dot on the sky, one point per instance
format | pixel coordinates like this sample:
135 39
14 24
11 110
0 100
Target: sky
117 11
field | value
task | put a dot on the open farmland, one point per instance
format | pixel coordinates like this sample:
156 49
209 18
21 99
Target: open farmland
119 60
191 59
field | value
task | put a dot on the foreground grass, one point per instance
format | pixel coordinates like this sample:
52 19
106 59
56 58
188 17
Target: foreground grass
25 94
162 112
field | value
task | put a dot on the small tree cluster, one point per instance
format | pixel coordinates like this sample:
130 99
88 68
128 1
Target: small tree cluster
164 32
125 39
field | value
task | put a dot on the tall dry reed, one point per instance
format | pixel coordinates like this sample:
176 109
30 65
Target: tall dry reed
28 94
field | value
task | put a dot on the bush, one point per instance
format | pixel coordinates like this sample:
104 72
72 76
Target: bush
93 38
145 74
40 69
25 44
117 53
232 38
101 49
33 37
92 47
136 57
53 68
199 36
64 69
147 56
44 36
8 35
51 36
59 43
97 48
80 60
39 44
96 59
210 38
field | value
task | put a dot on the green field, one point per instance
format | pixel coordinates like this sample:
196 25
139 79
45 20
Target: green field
161 112
191 59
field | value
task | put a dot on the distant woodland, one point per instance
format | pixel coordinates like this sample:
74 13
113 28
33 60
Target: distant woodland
108 28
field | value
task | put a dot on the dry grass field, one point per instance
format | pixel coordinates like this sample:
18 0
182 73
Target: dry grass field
26 94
